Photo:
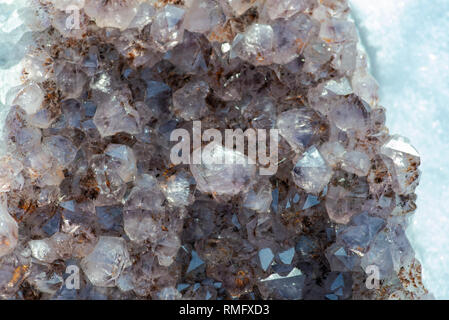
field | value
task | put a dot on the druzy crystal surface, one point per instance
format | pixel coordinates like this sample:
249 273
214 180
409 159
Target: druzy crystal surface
87 180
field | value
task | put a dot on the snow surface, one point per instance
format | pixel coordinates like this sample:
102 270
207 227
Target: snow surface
408 45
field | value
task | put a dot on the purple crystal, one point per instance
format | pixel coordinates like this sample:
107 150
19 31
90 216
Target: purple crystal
87 177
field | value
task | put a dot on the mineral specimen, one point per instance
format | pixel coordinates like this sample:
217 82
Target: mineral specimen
87 181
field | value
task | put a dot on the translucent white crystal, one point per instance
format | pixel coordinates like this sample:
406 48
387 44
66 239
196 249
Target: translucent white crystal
140 225
112 13
177 190
350 114
356 162
261 111
402 252
189 102
259 198
311 172
47 283
290 37
28 138
110 185
10 173
366 87
338 31
9 230
29 97
37 66
321 97
358 236
106 262
337 8
189 56
300 127
65 4
61 149
167 29
41 166
58 246
122 160
340 86
237 7
169 293
144 16
115 114
224 178
203 16
167 249
41 119
345 58
332 152
146 195
284 8
62 21
346 198
71 79
379 255
125 282
255 45
405 161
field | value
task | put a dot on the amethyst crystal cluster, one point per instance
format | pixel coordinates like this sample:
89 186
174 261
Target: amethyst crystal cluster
87 181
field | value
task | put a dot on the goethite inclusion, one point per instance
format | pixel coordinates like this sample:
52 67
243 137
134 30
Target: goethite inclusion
87 180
